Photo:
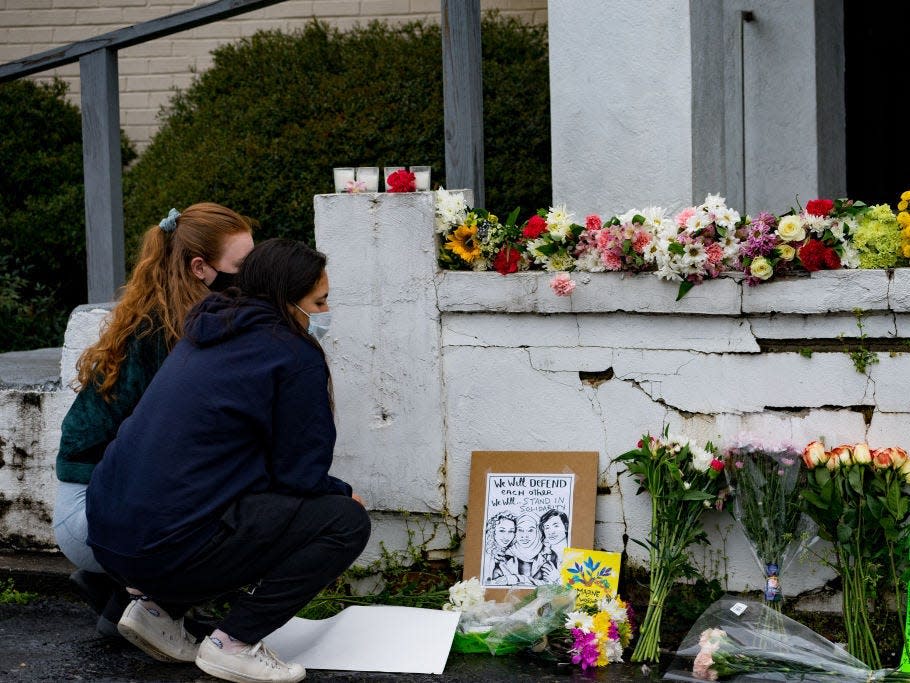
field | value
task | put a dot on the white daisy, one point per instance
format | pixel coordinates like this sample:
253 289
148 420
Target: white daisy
580 620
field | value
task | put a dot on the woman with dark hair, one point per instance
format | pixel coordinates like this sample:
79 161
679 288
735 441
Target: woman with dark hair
220 480
554 527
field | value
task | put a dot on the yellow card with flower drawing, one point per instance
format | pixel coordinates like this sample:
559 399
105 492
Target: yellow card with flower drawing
594 574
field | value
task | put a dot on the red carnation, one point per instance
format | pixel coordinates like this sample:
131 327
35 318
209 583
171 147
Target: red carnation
832 260
717 465
812 255
401 181
506 261
819 207
534 227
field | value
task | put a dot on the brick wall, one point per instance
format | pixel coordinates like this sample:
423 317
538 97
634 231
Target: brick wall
150 72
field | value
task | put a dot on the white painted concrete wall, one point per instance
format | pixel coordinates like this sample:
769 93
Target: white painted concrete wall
657 102
510 353
620 104
429 366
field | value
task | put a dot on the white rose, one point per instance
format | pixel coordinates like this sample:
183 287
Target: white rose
790 229
786 252
761 268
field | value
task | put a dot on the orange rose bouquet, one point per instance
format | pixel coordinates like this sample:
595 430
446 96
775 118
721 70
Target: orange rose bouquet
860 499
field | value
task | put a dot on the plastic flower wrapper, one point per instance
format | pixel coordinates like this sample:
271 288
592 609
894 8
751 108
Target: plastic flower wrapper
520 621
730 642
767 481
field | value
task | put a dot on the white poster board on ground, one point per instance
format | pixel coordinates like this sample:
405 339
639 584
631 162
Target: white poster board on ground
370 638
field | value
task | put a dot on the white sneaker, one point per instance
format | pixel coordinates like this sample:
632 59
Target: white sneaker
253 664
159 636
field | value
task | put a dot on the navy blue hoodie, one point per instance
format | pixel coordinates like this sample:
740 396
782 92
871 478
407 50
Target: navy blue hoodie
240 406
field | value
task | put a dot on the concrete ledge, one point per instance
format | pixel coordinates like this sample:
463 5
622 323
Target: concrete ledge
38 369
820 292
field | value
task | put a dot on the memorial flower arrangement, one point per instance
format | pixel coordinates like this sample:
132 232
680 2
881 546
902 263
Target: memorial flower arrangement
903 220
878 238
550 239
698 243
547 622
682 479
476 238
702 246
628 242
522 620
731 640
860 500
767 481
598 636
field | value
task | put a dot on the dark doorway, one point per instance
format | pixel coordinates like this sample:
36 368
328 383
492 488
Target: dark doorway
877 63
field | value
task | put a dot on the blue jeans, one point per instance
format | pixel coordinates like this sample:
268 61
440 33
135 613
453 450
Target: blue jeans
71 527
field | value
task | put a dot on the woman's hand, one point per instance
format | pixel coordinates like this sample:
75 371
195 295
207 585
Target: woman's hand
550 574
358 499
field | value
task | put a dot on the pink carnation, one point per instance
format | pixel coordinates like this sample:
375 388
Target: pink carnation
715 253
683 216
562 284
640 240
593 222
611 260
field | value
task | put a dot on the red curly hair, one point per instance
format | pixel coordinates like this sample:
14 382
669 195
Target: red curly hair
161 290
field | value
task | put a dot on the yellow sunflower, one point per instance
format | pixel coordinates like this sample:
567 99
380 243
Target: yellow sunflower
464 243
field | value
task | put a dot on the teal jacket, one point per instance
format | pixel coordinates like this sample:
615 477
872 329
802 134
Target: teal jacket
92 423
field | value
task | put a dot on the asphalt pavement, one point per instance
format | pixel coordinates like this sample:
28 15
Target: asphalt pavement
53 638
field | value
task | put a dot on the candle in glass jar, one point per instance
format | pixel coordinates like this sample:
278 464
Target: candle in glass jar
421 177
343 176
369 176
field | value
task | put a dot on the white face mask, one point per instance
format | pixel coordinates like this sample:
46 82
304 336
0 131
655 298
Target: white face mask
319 322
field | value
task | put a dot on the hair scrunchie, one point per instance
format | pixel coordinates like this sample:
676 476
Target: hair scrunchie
169 223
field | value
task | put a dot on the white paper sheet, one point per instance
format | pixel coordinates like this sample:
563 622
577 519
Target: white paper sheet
370 638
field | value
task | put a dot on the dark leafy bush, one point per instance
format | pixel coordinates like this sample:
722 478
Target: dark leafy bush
42 213
261 130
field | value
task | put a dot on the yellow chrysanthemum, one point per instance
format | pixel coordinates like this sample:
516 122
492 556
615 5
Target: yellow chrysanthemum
463 242
906 250
905 196
902 205
905 231
903 218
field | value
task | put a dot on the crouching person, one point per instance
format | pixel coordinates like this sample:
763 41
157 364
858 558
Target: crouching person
219 480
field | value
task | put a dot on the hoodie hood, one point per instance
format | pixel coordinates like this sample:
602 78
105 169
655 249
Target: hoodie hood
221 316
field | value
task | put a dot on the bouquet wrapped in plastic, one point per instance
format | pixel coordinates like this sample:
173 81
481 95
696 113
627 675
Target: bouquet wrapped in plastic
519 622
767 481
731 642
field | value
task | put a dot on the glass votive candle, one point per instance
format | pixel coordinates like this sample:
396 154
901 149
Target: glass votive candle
343 176
369 176
421 177
387 171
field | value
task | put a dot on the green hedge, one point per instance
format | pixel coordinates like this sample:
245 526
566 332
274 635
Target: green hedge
42 213
261 130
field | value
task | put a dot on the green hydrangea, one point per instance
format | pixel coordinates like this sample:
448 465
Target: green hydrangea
878 238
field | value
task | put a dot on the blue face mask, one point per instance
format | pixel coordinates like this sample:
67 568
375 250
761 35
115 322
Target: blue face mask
319 322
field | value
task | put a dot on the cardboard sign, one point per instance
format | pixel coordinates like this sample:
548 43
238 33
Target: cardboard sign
524 509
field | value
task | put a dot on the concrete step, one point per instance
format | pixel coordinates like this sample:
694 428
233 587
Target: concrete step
44 573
